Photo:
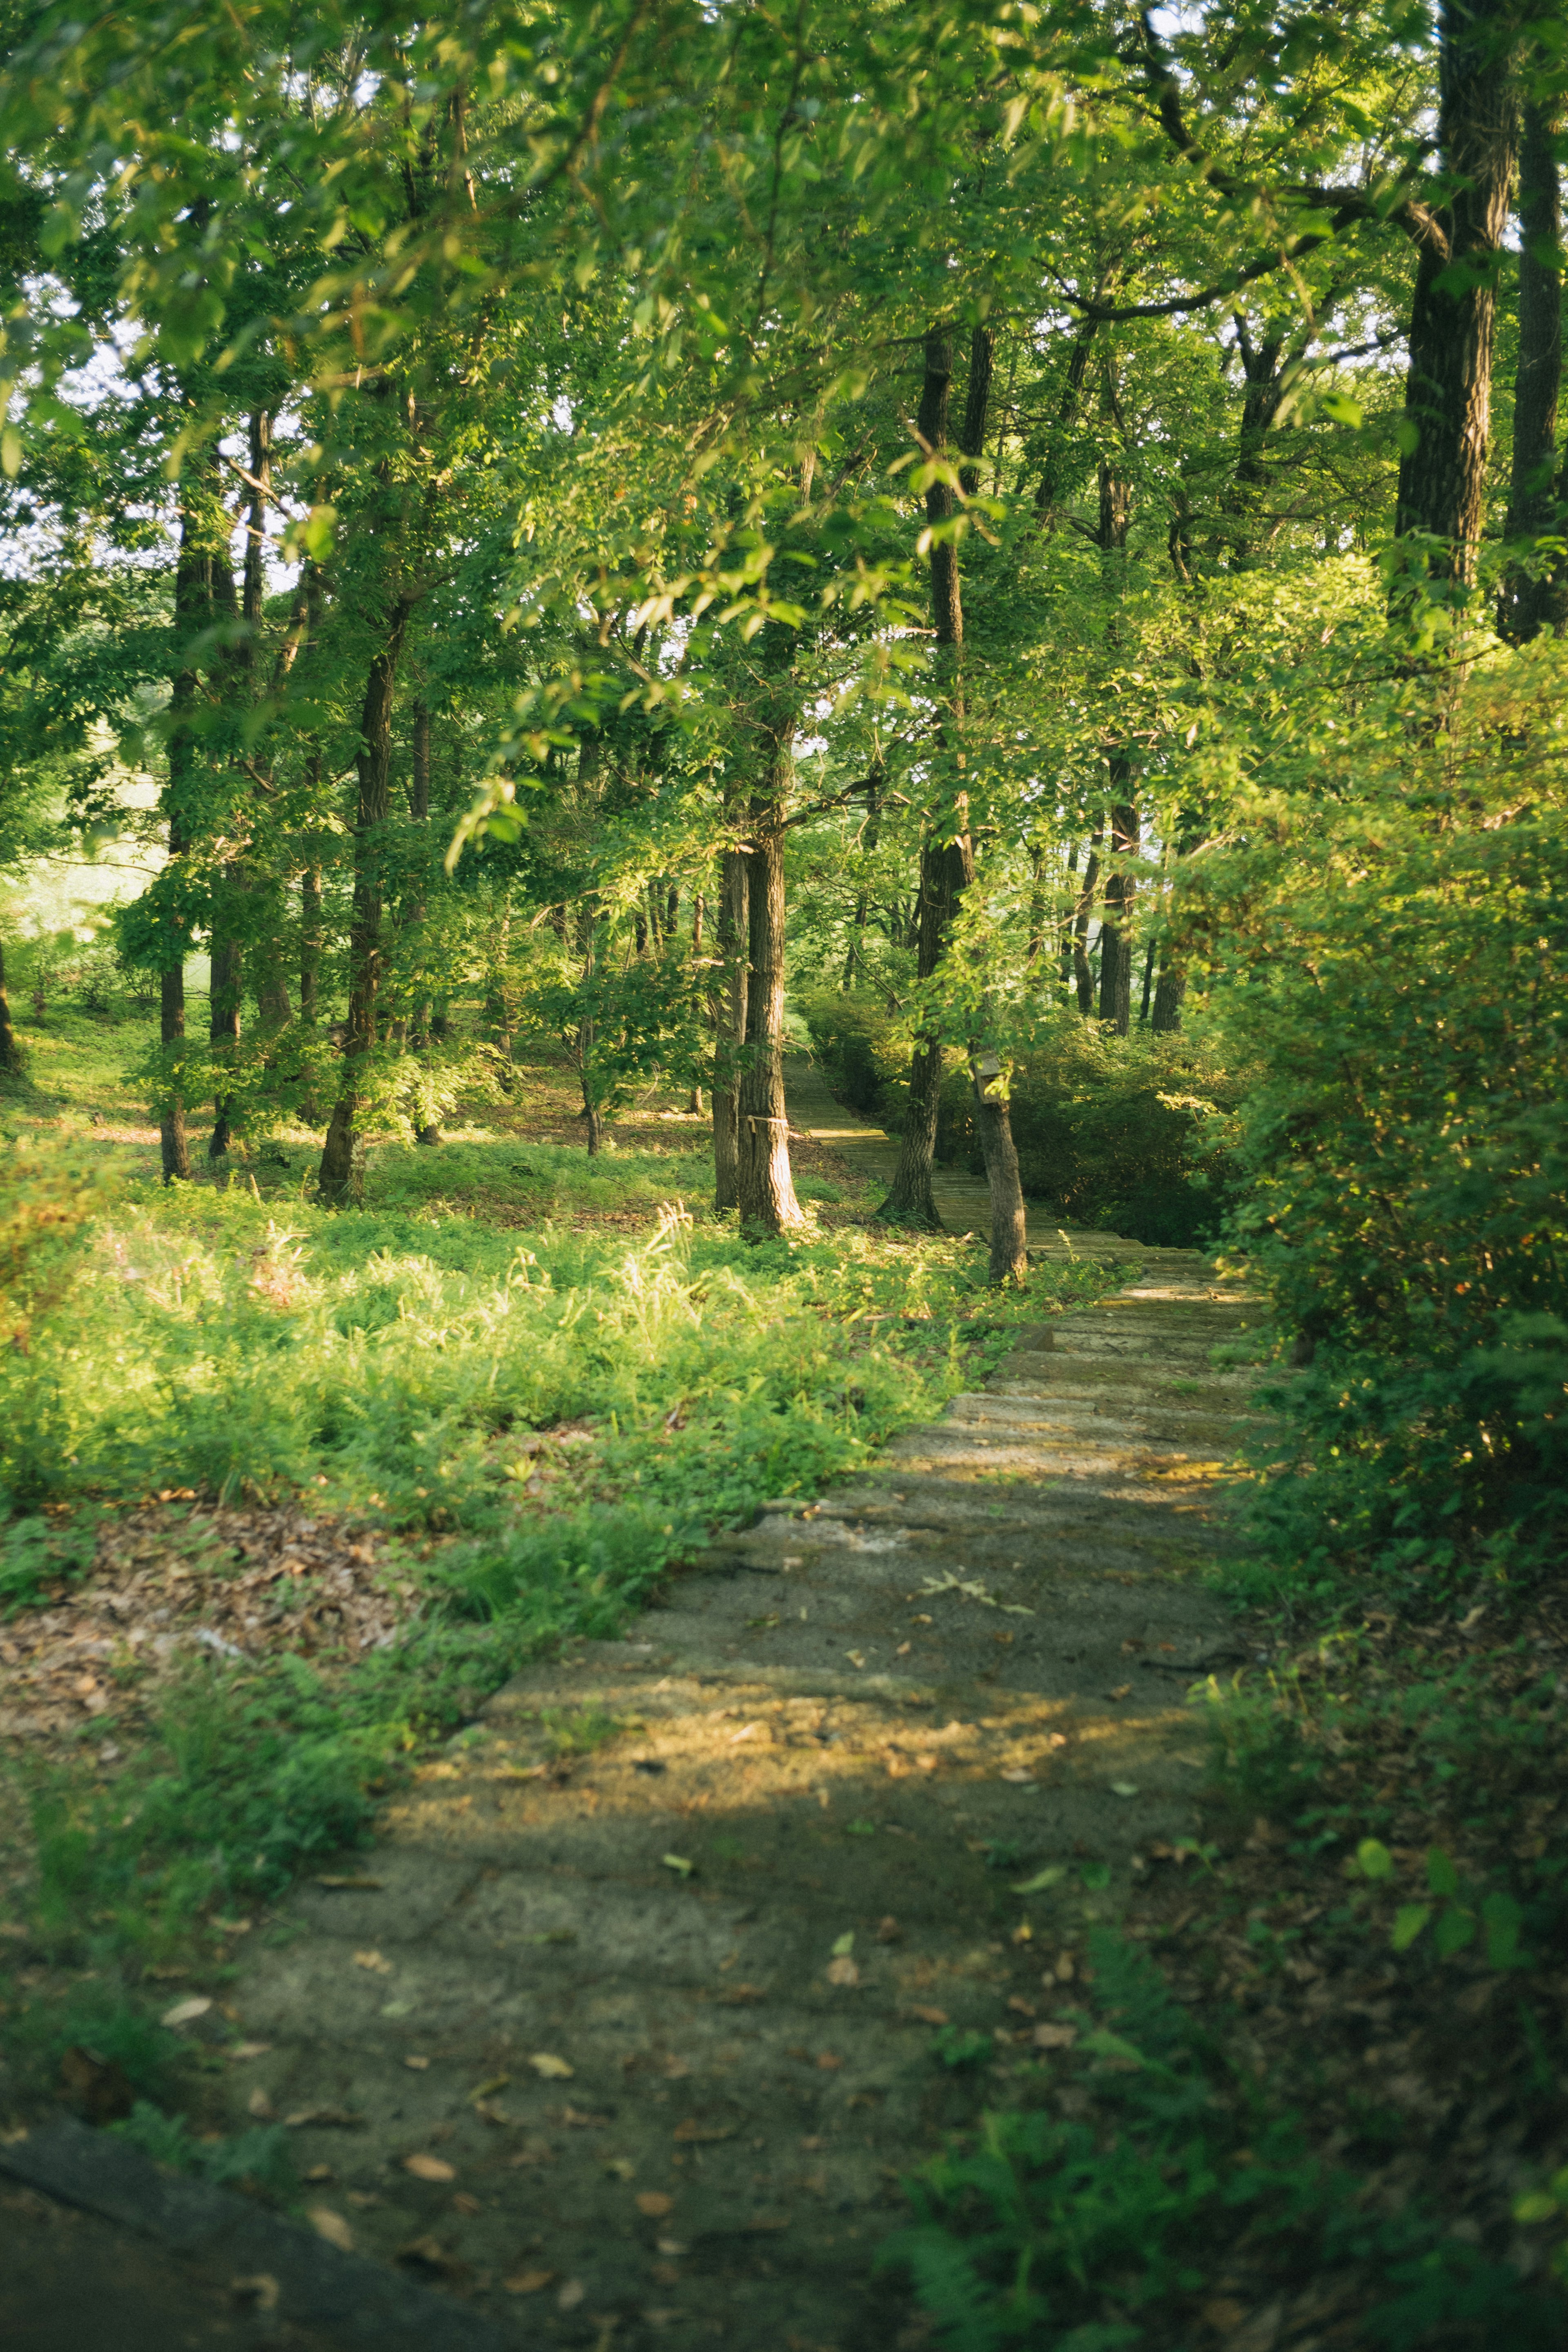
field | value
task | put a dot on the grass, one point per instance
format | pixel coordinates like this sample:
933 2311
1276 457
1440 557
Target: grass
545 1381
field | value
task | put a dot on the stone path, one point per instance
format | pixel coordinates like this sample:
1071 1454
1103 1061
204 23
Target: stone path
625 2029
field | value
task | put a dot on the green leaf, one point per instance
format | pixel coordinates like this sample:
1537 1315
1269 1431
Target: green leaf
1455 1929
1408 1922
1106 2044
1503 1921
1441 1875
678 1863
1096 1876
1042 1879
1342 408
1535 2205
844 1947
1374 1860
11 452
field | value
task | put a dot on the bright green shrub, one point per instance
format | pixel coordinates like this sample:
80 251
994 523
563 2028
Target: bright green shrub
1130 1134
1407 1146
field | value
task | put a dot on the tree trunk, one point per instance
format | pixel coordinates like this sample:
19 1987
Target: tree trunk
429 1133
1447 395
1147 986
1535 498
1169 989
335 1183
767 1202
730 1019
1116 929
911 1200
1082 971
10 1052
173 1141
1009 1252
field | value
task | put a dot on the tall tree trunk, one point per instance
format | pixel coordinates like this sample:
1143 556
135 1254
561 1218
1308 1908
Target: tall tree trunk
1009 1253
1447 396
1168 991
911 1200
870 835
1148 985
336 1180
226 956
10 1052
1083 974
730 1018
767 1201
192 612
1116 929
699 909
429 1131
1536 488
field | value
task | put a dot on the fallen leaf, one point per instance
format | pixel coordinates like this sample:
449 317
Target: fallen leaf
1020 1777
855 1657
429 2168
397 2009
184 2012
695 2129
261 2289
320 2172
655 2204
1042 1879
1123 1789
1120 1691
463 2204
247 2050
889 1930
325 2118
374 1961
1024 2008
571 2295
828 2062
487 2090
333 2227
428 2252
354 1886
581 2121
1055 2037
678 1863
904 1650
417 2064
554 2070
843 1971
621 2167
528 2282
259 2105
923 2015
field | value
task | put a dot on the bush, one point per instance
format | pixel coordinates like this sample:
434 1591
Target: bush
1408 1150
865 1051
1131 1135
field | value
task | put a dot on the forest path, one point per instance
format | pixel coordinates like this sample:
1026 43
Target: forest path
584 2037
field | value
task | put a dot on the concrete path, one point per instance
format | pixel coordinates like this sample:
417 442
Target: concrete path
627 2027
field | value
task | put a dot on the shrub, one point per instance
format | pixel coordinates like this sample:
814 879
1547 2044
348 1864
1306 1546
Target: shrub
1129 1134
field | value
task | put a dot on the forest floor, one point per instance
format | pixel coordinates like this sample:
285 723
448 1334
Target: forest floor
882 1873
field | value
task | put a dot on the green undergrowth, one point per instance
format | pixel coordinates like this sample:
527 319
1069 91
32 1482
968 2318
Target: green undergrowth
1147 2178
540 1425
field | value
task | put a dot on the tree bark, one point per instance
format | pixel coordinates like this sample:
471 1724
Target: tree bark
10 1052
911 1200
767 1202
1083 974
1168 991
429 1133
1447 396
730 1019
1116 927
1535 501
1009 1252
335 1182
226 956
